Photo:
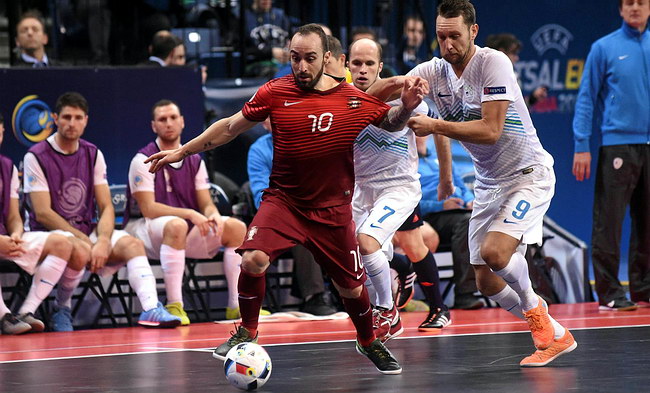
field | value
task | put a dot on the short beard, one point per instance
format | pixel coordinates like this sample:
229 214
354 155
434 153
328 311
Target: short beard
313 83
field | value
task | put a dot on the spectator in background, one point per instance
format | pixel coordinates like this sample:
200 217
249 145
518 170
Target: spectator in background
42 254
165 50
177 216
615 81
450 219
31 39
511 46
179 57
268 30
65 181
308 283
412 51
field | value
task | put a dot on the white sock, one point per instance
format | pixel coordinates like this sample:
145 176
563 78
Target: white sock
3 307
172 262
372 293
47 274
378 271
232 268
509 301
143 282
68 282
558 330
516 276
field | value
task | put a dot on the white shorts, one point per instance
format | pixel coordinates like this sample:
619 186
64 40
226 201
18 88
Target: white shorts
516 209
114 267
380 212
150 231
34 242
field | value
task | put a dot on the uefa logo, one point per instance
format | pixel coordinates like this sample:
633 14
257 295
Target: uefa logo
32 121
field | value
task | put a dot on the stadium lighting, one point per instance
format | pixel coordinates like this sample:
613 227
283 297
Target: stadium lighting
194 37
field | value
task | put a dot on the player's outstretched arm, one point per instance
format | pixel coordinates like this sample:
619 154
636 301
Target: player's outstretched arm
389 89
219 133
413 92
485 131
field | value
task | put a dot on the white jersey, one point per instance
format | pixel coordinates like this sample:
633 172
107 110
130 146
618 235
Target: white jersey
489 76
383 158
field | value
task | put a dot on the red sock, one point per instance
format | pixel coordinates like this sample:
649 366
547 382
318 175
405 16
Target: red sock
251 289
361 315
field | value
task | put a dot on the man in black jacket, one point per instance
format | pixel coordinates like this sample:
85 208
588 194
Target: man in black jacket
31 40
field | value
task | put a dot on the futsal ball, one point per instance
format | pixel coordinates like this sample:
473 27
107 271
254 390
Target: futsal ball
247 366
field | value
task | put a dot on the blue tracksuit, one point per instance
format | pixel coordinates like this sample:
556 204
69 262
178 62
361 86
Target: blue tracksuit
616 80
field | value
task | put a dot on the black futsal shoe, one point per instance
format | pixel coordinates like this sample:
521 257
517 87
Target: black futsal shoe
381 357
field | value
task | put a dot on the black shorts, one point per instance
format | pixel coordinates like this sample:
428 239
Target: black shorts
413 221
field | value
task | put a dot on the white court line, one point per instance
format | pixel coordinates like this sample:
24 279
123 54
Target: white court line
108 345
210 349
219 339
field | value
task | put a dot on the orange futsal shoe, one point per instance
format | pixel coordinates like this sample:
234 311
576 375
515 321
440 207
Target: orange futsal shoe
540 325
543 357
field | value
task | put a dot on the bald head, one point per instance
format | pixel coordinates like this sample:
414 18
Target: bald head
365 62
366 44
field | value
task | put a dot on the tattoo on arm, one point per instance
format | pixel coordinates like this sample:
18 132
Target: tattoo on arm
187 153
207 145
395 119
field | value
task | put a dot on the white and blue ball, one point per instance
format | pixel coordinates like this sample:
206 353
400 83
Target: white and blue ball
247 366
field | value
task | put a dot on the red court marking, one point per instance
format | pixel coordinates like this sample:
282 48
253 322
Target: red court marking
102 342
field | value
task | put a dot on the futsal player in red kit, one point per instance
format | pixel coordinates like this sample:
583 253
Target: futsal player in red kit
315 120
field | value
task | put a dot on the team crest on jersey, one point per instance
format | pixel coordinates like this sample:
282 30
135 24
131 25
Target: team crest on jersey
494 90
251 233
354 102
470 92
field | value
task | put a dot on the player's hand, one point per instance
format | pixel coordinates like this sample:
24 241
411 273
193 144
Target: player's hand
17 238
162 158
421 124
201 222
470 205
9 248
453 203
445 189
217 222
99 254
413 92
582 165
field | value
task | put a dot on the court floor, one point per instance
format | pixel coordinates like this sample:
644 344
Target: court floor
479 352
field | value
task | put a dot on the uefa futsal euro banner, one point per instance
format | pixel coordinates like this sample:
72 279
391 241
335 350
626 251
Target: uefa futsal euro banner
119 99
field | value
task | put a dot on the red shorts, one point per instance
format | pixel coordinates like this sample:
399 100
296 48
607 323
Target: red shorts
329 234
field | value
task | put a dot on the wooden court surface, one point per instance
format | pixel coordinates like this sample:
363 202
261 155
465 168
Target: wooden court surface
479 352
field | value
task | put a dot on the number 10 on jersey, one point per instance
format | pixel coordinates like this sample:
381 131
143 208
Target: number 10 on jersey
321 123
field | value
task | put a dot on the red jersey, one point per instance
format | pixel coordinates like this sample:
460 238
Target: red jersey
313 135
